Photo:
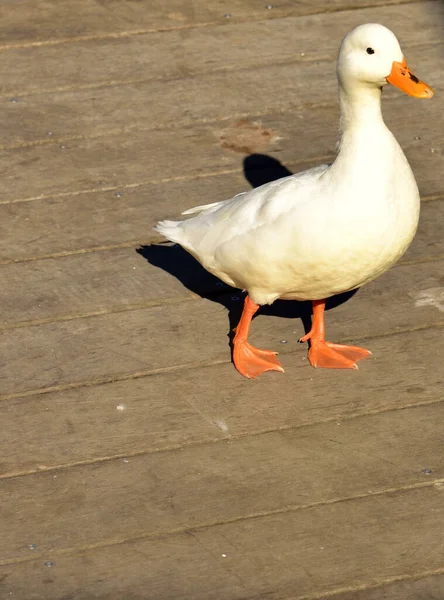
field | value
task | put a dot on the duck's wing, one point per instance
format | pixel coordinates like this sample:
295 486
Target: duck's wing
202 207
219 222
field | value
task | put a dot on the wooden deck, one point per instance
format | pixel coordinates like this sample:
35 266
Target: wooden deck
136 463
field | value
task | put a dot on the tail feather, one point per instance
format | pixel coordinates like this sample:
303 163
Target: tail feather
170 229
174 230
202 207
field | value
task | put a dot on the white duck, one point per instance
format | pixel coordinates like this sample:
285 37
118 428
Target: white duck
326 230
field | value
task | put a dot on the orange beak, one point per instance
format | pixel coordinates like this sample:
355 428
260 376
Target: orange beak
402 78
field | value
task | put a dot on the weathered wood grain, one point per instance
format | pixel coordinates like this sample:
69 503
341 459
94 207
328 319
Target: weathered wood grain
289 487
236 479
252 44
103 218
37 21
294 556
115 345
408 588
84 284
141 156
198 406
181 102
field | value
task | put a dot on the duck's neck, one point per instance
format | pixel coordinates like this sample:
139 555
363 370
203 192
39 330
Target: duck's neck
360 108
365 143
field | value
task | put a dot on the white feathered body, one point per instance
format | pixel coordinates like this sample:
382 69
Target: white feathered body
314 234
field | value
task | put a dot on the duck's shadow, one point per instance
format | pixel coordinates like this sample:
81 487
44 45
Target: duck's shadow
258 169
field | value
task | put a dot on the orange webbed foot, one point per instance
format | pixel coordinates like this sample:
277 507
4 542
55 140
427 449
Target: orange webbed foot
251 361
325 354
335 356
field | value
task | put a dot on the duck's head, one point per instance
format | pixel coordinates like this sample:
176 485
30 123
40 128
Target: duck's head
370 56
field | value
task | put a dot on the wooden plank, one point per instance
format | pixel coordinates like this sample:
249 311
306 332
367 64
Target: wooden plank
239 9
158 104
34 21
85 284
102 504
204 149
428 587
203 405
156 55
114 345
296 556
37 20
96 219
223 481
71 351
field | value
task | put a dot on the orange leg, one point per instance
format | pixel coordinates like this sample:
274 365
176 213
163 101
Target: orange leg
248 360
327 355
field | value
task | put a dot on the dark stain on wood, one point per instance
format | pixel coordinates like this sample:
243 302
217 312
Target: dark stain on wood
246 137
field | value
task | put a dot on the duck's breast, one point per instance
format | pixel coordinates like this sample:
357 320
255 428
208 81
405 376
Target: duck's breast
369 219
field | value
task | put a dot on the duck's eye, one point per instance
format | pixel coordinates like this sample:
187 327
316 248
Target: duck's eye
370 51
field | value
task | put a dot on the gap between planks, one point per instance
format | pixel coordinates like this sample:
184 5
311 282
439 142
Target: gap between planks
193 365
126 186
137 32
249 517
185 123
371 585
194 177
129 186
99 313
217 439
